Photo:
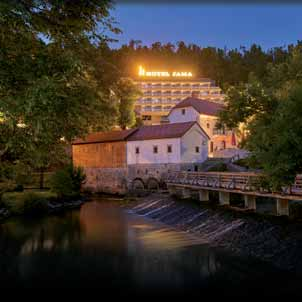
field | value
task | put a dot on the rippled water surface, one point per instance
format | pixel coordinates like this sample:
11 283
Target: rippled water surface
104 246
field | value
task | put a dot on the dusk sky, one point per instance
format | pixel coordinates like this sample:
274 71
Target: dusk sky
216 25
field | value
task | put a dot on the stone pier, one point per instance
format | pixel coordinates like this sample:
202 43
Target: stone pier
282 207
185 193
204 195
250 202
172 190
224 198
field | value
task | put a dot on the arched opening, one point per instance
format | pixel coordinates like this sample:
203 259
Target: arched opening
152 184
138 184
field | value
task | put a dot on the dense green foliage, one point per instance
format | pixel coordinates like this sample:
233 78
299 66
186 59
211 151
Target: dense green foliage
29 203
270 110
67 182
127 94
225 66
56 77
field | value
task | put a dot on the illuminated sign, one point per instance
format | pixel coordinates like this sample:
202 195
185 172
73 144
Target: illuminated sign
143 73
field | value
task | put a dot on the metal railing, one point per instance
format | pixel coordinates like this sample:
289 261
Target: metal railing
238 181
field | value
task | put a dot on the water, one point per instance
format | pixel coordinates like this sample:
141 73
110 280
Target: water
120 250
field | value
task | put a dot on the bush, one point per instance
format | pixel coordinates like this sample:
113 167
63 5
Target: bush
66 183
35 204
221 167
27 202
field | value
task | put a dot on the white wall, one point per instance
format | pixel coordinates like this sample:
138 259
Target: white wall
193 138
205 120
146 155
190 115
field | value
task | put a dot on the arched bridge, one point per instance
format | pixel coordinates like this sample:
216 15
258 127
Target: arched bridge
246 183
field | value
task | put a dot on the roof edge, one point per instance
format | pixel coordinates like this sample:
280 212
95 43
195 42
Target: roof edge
107 141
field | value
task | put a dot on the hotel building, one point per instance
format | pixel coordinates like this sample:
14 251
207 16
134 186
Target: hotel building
163 90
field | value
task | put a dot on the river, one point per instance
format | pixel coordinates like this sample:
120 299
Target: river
104 245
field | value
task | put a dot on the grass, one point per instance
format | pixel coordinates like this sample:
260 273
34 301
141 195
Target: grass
27 202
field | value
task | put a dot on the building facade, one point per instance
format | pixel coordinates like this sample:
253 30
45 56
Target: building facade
205 113
114 161
163 90
103 156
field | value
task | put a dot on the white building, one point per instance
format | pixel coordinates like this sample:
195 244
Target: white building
177 143
205 113
115 160
162 90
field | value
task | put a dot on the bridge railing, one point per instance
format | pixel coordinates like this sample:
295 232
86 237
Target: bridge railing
243 181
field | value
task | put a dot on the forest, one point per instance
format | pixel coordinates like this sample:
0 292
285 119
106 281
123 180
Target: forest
225 66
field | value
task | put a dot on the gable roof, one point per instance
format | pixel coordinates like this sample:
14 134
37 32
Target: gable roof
200 105
173 130
102 137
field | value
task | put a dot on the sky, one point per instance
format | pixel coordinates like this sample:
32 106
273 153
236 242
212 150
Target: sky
217 25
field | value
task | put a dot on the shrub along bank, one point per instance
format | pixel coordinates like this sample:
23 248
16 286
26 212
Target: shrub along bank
65 193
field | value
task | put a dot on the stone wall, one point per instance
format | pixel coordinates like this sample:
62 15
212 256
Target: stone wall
106 180
120 180
150 172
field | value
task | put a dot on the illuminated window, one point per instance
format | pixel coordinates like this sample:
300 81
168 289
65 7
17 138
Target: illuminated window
155 149
169 148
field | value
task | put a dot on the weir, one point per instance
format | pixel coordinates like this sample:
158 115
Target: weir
242 234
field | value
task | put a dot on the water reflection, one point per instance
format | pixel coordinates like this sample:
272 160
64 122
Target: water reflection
103 246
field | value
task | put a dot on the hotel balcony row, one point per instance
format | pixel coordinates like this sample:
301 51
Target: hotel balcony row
145 109
158 101
181 93
174 101
177 85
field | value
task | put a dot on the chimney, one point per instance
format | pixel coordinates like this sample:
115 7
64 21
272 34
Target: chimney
195 94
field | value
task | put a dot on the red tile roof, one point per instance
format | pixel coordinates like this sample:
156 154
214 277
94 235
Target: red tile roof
102 137
172 130
202 106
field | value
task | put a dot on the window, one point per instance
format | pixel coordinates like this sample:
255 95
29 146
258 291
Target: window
136 150
146 117
155 149
169 148
183 111
208 125
211 147
197 149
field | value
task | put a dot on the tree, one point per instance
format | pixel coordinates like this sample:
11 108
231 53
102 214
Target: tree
127 93
271 111
276 140
55 80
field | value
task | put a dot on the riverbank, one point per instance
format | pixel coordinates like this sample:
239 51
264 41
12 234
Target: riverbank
276 240
35 204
